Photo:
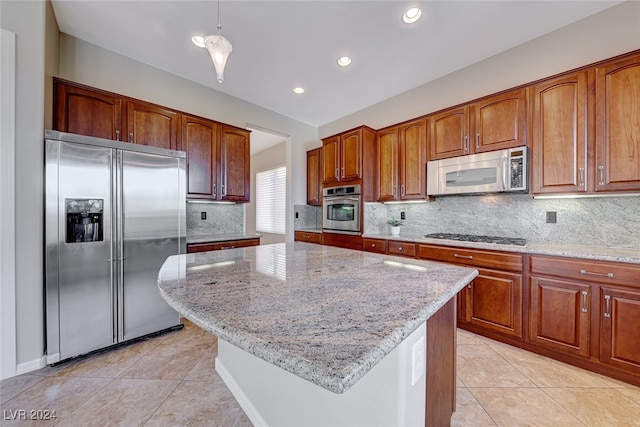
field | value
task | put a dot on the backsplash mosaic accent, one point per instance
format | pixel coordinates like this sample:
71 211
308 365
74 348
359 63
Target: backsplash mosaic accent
308 217
603 221
221 219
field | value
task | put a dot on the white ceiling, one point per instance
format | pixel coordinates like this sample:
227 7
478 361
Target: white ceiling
278 45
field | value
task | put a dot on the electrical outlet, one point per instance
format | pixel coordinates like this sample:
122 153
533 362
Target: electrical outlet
551 217
402 215
296 215
203 215
418 361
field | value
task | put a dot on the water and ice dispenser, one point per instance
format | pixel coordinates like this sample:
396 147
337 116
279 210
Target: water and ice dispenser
84 220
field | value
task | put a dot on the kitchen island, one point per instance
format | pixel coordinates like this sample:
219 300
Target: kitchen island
318 335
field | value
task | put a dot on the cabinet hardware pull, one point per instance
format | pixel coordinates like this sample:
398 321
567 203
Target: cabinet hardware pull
117 135
222 189
478 140
402 190
337 173
214 189
227 247
601 169
343 171
607 306
400 248
466 143
584 301
373 245
592 273
463 256
469 286
394 190
131 137
581 183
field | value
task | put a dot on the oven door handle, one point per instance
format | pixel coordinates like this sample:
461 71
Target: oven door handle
332 199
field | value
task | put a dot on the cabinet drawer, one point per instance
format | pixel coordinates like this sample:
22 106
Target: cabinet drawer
305 236
229 244
475 257
580 269
374 245
401 248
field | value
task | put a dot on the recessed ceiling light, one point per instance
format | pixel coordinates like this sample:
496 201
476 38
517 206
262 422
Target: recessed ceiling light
198 40
412 15
298 90
343 61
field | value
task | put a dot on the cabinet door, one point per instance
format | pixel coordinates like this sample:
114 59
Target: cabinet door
494 302
234 164
152 125
449 136
559 146
387 165
330 160
560 316
314 184
500 122
413 159
619 333
200 142
618 125
87 112
351 155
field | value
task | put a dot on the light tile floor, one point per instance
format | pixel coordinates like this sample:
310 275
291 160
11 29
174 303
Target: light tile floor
170 380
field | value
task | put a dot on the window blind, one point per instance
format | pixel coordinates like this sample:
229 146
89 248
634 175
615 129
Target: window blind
271 186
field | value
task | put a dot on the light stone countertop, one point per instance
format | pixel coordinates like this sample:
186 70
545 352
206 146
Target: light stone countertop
627 255
323 313
213 238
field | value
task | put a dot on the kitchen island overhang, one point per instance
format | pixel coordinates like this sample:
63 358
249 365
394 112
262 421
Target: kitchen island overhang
324 314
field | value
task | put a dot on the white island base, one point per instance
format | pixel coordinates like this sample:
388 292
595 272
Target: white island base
386 396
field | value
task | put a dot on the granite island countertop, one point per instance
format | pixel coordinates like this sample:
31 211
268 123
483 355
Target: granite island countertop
598 253
323 313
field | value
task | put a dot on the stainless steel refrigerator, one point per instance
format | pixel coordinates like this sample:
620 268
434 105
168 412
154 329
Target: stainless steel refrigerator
114 213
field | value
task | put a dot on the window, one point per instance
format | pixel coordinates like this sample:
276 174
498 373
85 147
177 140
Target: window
271 188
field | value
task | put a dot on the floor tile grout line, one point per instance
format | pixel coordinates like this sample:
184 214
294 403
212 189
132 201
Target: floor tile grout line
482 406
163 402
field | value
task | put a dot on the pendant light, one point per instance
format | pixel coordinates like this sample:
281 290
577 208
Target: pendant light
219 48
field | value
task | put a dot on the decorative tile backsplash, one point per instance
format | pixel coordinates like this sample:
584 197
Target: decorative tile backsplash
603 221
221 218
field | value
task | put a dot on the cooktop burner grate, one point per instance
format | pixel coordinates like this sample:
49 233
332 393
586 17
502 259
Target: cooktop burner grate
475 238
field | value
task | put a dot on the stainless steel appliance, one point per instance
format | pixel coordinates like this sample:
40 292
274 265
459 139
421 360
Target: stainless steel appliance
114 213
492 172
341 209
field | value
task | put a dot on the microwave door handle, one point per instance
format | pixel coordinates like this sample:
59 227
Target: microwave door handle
504 175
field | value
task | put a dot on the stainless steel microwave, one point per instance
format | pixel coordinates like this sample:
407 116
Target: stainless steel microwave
492 172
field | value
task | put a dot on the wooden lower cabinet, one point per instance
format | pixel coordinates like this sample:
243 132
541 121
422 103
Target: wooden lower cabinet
374 245
493 301
559 316
346 241
620 328
217 246
401 248
309 237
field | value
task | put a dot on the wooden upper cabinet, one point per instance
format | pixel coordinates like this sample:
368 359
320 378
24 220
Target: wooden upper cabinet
152 125
331 160
351 155
199 139
449 133
618 125
412 138
234 164
559 145
387 164
314 182
499 122
87 111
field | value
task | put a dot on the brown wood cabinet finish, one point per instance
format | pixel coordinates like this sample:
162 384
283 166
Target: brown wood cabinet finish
559 146
449 133
387 165
441 366
152 125
200 142
342 240
474 257
618 125
374 245
306 236
217 246
620 334
314 178
331 160
559 317
234 164
499 122
87 111
401 248
348 157
351 155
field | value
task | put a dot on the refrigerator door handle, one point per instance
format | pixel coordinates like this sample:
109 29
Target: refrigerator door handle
120 245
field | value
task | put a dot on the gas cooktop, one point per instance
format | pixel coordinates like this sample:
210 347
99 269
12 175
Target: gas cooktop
475 238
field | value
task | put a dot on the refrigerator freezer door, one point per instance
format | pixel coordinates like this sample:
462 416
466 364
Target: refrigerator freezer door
151 212
85 276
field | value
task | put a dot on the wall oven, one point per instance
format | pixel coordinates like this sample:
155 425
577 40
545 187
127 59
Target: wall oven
341 209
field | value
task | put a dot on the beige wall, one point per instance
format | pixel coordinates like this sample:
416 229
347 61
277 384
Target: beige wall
604 35
268 159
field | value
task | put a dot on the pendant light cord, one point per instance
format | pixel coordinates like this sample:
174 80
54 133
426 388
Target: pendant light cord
219 26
